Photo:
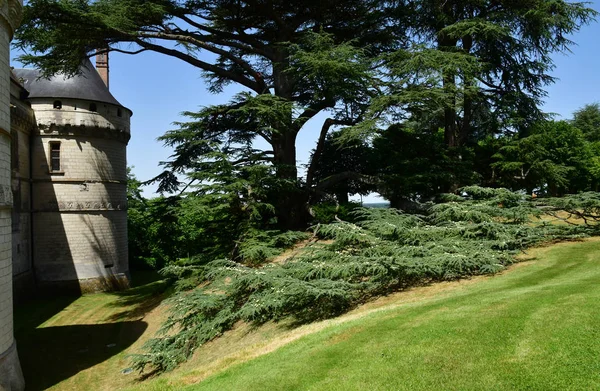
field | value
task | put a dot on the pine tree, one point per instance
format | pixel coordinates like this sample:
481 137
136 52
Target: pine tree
479 67
293 60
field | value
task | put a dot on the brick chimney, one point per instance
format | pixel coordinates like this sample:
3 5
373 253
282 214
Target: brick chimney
102 65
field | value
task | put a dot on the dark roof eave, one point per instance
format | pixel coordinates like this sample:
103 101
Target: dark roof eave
86 86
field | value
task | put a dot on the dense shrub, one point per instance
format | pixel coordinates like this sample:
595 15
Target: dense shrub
382 251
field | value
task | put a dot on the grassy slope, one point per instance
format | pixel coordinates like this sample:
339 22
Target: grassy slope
83 343
536 327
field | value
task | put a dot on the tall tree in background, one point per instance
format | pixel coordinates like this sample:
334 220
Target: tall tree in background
414 166
474 68
554 159
471 56
289 58
587 119
350 160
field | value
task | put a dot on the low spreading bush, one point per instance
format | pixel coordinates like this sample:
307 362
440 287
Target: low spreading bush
383 250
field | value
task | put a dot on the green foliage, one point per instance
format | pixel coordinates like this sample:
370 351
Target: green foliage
383 250
554 158
257 246
414 165
224 215
333 71
326 212
343 167
587 119
476 68
152 228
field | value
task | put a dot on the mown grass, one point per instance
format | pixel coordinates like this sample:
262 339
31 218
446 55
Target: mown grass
83 343
533 327
536 327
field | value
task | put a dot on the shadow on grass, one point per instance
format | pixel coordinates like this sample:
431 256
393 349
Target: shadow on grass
52 354
137 302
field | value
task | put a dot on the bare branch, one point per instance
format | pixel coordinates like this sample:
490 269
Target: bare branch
123 51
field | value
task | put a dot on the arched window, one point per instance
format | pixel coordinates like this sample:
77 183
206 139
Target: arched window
93 107
119 113
57 104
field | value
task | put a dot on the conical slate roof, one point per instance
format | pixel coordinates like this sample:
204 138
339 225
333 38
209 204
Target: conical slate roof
86 86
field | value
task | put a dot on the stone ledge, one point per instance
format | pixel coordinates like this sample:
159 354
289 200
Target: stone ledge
11 376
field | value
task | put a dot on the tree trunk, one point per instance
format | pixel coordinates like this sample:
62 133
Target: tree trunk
465 130
449 80
342 197
292 200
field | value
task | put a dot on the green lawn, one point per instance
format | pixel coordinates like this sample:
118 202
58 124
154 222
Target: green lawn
536 327
69 343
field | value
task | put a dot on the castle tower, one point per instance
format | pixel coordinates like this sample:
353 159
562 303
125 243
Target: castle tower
79 182
11 378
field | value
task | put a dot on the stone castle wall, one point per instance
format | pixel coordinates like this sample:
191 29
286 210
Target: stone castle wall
77 113
22 123
6 328
68 224
11 377
80 211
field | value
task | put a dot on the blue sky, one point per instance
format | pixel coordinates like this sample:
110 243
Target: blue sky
158 88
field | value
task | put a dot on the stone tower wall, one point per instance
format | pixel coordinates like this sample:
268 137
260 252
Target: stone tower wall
80 211
22 123
11 377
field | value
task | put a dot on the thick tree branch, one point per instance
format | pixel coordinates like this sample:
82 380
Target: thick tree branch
311 111
343 176
318 152
246 82
191 39
312 168
239 41
124 51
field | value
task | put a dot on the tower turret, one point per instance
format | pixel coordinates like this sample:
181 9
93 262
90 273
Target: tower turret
79 180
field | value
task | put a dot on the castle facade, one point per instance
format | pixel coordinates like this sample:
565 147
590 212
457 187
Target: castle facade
69 182
63 186
11 377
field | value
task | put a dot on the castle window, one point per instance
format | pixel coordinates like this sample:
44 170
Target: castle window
54 156
93 107
57 104
119 113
